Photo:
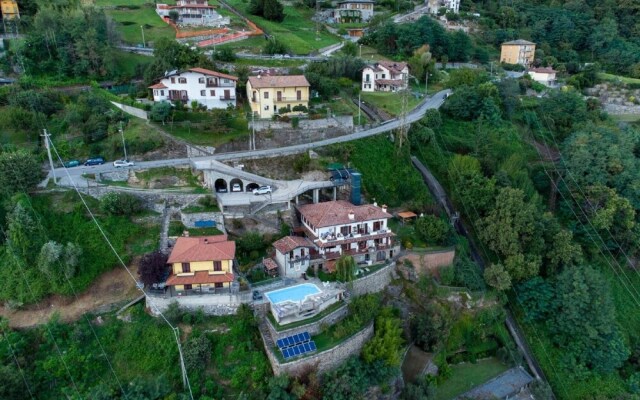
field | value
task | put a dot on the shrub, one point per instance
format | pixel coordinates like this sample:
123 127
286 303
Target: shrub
115 203
447 275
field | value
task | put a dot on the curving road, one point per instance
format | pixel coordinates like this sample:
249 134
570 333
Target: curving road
417 113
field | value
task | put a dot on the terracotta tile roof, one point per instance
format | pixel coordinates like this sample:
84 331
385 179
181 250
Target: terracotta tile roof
288 243
158 85
407 214
332 213
261 81
392 66
269 264
213 73
199 278
202 248
546 70
518 42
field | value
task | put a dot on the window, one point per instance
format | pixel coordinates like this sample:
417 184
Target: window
186 267
217 266
366 78
203 93
384 76
212 93
279 95
266 95
219 285
377 225
291 254
299 95
155 92
162 93
173 80
182 80
188 287
200 80
344 230
266 108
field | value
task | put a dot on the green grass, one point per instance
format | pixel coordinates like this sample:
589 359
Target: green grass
297 30
616 78
626 117
296 324
201 129
281 62
126 62
389 102
128 23
198 208
176 228
467 376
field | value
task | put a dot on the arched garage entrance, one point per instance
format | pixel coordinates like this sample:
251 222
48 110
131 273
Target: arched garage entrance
220 186
236 183
252 186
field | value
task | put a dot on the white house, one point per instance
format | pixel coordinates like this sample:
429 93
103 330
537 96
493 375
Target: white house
451 5
339 227
353 11
209 88
292 254
385 76
546 76
193 13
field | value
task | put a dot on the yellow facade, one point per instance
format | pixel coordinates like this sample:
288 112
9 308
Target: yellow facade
226 267
266 102
9 9
522 54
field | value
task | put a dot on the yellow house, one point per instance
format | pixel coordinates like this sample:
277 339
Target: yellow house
9 9
269 94
518 52
201 264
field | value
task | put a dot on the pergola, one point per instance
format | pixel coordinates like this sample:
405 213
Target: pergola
406 216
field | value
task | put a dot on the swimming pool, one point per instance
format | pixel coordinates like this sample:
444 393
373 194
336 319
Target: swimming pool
292 293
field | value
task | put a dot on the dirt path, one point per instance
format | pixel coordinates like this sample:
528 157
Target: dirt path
112 288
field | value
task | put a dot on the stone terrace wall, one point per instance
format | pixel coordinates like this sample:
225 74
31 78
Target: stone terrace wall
436 259
211 304
325 360
313 328
339 121
375 282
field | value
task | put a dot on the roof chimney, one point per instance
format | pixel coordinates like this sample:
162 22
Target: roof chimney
384 208
185 233
259 76
352 216
375 204
206 240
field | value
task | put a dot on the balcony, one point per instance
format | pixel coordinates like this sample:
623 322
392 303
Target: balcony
175 97
353 237
284 99
299 260
213 84
228 98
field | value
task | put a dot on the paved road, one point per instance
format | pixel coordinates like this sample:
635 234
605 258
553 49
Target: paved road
416 114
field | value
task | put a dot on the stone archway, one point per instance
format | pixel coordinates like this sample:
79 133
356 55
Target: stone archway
235 182
252 186
220 186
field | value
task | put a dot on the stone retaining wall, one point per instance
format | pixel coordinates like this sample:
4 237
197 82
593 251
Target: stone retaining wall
153 199
376 282
437 259
326 360
345 122
211 304
313 328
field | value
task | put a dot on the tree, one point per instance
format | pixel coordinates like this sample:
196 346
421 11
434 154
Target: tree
115 203
537 298
275 46
433 230
350 49
269 9
584 323
562 110
430 329
160 111
497 277
419 62
50 254
386 343
174 16
19 172
25 236
564 251
152 267
197 352
345 268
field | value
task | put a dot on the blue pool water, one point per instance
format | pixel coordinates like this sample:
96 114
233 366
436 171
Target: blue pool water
293 293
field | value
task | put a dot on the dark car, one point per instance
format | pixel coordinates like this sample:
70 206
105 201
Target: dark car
94 161
71 163
257 295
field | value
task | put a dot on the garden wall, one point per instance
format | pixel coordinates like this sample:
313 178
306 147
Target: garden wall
376 282
189 220
436 259
345 122
313 328
211 304
323 361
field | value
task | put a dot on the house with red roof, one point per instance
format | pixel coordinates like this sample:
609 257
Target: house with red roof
385 76
292 255
201 264
208 88
339 228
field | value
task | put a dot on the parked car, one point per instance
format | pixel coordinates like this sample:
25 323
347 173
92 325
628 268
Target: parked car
262 190
71 163
94 161
236 188
123 163
257 295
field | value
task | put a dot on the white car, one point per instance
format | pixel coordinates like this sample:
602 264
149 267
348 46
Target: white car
123 163
262 190
236 188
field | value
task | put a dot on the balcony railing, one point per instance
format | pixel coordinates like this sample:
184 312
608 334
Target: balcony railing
298 260
338 237
218 84
228 98
288 98
179 98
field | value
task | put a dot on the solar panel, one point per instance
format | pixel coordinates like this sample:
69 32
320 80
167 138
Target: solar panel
287 341
307 347
306 336
285 353
313 345
301 349
296 351
296 339
280 343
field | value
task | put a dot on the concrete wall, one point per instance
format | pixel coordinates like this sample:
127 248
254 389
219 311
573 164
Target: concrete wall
375 282
212 304
313 328
136 112
326 360
340 121
436 259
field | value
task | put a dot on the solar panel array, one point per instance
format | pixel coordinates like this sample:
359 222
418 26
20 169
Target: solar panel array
296 345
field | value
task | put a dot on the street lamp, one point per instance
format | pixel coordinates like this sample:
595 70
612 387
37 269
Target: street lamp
142 30
123 143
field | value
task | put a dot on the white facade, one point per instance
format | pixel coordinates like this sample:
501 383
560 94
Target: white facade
385 76
193 13
355 11
451 5
209 88
546 76
294 263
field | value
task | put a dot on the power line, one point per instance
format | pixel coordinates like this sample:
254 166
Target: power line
15 359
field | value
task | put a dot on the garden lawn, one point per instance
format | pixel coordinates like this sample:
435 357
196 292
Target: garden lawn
129 21
297 30
466 376
389 102
126 62
615 78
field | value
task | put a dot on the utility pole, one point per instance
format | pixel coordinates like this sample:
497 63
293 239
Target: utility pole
359 105
46 136
426 84
404 128
252 142
360 50
143 43
124 145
